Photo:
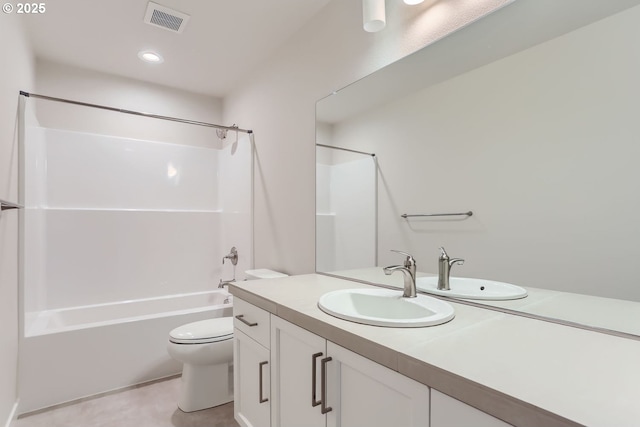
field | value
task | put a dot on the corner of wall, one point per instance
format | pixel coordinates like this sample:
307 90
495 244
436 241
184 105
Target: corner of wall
17 74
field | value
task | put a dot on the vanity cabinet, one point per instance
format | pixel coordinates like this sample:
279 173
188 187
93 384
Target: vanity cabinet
318 383
296 355
251 358
286 376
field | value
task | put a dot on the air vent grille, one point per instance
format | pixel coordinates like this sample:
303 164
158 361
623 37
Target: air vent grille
163 17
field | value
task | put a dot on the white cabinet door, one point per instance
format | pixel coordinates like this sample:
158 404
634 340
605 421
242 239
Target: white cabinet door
296 355
364 393
449 412
251 382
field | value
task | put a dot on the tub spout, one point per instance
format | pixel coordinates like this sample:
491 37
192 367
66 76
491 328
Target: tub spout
224 283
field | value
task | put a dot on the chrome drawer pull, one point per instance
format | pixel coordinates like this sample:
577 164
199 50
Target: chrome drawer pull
314 358
323 386
262 399
241 318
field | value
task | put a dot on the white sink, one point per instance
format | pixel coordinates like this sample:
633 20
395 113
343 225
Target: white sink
463 287
385 307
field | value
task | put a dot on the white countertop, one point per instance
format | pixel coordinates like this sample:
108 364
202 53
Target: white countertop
524 371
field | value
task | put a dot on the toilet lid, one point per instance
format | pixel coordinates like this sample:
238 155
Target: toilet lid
204 331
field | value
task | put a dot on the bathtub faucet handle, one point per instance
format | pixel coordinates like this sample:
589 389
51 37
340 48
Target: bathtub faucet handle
232 256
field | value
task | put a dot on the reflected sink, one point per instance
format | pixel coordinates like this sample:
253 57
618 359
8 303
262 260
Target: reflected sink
385 307
463 287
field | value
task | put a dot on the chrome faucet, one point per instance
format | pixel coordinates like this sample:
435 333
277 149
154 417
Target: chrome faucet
409 272
444 269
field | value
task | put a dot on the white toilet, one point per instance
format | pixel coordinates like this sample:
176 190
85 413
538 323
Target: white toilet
206 350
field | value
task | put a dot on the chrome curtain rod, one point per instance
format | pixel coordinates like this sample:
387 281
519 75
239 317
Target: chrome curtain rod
346 149
135 113
442 214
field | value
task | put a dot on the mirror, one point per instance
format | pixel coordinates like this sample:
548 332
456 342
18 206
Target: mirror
529 119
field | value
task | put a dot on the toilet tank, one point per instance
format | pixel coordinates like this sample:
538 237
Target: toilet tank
263 273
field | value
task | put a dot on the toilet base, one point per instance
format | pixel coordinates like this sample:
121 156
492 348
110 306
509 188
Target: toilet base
205 386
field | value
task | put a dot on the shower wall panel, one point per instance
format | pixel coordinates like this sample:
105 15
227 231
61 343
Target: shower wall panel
112 219
85 171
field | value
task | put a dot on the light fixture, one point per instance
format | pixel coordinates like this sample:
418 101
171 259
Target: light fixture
373 15
413 2
150 56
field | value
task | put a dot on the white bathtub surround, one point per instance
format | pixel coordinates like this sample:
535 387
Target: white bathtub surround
73 353
112 219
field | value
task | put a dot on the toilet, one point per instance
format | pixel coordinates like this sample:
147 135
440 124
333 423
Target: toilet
205 348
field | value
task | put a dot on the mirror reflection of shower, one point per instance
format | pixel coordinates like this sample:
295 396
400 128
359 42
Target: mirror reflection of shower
346 209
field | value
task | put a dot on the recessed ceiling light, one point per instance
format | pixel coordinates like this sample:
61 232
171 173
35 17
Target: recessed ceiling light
412 2
150 56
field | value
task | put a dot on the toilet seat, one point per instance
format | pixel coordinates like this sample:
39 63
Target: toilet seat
203 331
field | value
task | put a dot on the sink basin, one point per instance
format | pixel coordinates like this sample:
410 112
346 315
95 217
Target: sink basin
385 307
463 287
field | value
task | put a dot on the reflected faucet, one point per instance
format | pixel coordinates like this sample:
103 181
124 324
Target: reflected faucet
409 272
444 269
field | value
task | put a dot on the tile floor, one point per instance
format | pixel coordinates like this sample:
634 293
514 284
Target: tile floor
152 405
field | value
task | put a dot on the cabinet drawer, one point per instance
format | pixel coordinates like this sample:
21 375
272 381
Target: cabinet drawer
252 320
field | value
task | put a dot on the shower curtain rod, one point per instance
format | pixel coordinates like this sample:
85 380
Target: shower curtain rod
346 149
135 113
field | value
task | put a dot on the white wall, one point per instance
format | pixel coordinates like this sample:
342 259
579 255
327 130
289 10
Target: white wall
63 81
552 180
278 103
16 73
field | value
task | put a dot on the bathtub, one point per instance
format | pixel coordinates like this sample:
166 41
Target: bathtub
71 353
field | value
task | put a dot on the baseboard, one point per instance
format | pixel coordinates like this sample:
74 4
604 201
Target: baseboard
13 415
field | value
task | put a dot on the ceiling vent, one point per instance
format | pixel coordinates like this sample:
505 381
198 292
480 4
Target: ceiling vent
163 17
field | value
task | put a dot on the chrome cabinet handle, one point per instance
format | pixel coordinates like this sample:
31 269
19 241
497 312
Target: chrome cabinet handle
314 358
241 318
262 399
323 386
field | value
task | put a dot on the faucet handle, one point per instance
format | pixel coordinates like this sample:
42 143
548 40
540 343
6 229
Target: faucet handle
409 261
232 256
443 253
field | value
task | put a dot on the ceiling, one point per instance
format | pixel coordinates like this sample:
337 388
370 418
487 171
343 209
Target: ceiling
223 41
